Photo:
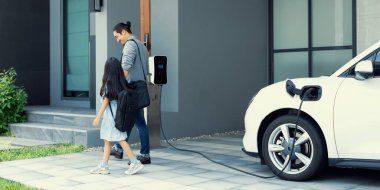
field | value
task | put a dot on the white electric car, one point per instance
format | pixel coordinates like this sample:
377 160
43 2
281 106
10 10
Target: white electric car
341 128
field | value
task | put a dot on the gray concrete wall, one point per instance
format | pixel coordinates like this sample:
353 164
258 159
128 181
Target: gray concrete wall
222 62
122 11
368 23
164 38
217 58
101 38
24 45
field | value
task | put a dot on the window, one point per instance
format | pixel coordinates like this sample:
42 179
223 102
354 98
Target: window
310 37
76 49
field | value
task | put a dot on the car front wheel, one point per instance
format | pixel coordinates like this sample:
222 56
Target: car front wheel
308 156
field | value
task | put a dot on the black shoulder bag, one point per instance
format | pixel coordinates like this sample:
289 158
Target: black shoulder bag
125 117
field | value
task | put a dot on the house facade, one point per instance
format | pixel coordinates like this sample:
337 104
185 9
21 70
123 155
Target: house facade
220 52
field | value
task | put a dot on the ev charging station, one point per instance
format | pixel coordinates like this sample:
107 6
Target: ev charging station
157 76
157 70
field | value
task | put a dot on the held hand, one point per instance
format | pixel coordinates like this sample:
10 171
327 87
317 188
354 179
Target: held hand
95 123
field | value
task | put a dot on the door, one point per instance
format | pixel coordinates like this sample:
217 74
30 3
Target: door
76 49
145 22
357 116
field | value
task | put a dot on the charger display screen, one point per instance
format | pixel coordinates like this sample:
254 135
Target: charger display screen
160 70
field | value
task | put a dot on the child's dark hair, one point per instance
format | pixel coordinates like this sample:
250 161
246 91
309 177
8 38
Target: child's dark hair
123 26
113 79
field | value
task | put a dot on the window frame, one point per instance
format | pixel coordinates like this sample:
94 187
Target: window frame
310 49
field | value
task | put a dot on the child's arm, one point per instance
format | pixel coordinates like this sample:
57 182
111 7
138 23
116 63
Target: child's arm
95 123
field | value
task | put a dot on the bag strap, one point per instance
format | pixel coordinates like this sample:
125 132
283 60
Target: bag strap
109 104
138 49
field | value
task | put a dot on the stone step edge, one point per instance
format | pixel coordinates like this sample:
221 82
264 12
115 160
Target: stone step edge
60 114
54 126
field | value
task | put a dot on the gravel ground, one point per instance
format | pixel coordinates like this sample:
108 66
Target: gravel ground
134 145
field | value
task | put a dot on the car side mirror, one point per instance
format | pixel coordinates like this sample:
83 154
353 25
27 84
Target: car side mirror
364 70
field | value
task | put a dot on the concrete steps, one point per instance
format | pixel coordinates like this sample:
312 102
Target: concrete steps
59 124
82 120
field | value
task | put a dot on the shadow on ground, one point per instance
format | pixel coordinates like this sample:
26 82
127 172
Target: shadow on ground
370 178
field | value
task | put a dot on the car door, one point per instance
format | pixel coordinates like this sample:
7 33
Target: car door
357 115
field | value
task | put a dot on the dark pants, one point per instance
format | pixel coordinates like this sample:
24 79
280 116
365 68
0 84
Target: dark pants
143 132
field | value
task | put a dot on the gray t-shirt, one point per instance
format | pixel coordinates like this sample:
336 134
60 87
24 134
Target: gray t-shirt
131 61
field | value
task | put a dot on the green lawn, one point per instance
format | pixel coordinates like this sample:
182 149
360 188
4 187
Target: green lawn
10 185
26 153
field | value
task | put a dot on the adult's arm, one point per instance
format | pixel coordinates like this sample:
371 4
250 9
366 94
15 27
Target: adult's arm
129 56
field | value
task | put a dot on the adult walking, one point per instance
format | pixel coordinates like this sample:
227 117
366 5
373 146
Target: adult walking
134 59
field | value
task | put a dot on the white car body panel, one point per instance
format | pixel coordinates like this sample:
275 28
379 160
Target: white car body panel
347 126
357 119
275 97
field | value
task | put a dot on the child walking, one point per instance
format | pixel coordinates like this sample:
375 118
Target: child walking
113 82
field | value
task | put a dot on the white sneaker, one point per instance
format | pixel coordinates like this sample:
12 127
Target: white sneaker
100 170
134 167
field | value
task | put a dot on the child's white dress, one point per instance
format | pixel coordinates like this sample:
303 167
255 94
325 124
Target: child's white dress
108 130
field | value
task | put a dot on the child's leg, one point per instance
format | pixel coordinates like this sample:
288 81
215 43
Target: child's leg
135 164
102 168
127 149
107 151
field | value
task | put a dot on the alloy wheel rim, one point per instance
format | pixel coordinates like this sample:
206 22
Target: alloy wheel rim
280 144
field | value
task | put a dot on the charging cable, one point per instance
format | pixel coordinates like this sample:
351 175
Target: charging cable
233 168
306 94
196 152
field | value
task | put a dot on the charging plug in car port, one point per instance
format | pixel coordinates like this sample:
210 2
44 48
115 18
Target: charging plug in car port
311 93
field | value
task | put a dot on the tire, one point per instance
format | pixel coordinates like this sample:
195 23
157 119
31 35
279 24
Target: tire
309 155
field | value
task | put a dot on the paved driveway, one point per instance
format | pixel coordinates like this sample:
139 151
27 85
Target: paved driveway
172 169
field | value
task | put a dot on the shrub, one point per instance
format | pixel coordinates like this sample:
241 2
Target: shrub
12 100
